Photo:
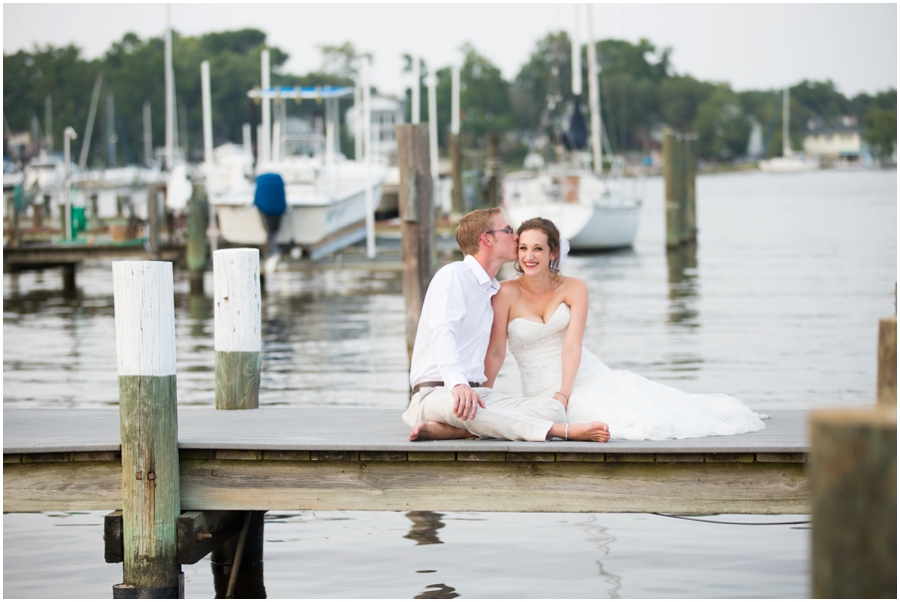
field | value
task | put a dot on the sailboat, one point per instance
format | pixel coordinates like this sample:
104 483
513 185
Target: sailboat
789 162
586 207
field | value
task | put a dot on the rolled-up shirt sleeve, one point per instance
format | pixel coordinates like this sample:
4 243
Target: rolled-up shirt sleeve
445 319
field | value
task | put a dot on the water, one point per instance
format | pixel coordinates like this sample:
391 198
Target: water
778 304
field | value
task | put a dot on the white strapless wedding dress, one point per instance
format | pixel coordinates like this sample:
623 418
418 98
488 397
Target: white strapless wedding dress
634 408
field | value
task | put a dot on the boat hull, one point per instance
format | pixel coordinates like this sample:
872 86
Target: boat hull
586 227
301 225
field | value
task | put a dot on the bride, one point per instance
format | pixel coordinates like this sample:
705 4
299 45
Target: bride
542 315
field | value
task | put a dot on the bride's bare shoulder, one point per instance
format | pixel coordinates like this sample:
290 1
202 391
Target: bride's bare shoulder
509 288
573 284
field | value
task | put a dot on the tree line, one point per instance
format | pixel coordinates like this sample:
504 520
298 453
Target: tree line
639 91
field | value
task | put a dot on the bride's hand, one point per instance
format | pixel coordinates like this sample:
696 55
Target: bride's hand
561 398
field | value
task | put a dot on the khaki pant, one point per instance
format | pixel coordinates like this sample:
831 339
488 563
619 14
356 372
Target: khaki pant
505 417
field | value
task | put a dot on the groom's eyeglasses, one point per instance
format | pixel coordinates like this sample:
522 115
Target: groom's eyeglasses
507 229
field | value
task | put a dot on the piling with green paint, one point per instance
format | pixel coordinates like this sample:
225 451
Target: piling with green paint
151 494
237 312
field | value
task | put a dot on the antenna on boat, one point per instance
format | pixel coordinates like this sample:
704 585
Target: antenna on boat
594 95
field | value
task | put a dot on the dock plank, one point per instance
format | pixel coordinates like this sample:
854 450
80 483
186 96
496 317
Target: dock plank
42 430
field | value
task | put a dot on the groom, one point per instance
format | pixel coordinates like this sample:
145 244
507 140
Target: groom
447 368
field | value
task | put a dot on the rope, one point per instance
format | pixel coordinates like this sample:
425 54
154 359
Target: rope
719 522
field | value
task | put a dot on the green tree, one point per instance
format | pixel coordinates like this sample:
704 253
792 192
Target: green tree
484 96
880 131
679 98
722 127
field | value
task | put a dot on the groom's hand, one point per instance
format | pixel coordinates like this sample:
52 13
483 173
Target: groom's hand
465 401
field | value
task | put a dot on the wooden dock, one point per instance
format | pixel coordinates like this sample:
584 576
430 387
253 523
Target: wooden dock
360 459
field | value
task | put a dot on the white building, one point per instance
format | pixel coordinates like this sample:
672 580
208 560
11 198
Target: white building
834 142
387 113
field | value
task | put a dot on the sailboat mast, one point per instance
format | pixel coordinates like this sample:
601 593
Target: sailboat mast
170 95
89 129
594 96
786 125
576 57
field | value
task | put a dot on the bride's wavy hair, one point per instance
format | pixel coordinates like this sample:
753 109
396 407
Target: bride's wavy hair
548 228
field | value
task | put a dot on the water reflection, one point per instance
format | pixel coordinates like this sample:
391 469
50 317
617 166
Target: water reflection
200 312
443 591
425 527
683 285
597 535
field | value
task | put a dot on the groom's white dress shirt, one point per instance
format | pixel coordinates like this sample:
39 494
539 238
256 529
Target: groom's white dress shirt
454 326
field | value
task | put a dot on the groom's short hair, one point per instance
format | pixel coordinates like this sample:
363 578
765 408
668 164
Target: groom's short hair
471 227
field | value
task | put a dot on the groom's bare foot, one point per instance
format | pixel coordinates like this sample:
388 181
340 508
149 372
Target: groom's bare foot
430 430
587 431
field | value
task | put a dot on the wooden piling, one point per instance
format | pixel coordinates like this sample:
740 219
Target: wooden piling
195 255
417 221
153 219
673 207
887 362
493 171
458 205
237 312
151 494
690 190
853 476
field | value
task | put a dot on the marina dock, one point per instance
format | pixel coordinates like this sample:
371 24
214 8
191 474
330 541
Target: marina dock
360 459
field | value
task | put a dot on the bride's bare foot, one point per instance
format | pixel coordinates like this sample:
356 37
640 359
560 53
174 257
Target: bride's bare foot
424 431
587 431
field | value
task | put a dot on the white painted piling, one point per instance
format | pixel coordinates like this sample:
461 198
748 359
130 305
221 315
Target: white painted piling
237 311
68 135
431 82
144 304
207 117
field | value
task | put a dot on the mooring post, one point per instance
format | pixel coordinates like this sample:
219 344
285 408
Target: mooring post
417 221
853 474
887 362
493 170
237 564
151 495
670 170
690 192
237 312
195 256
458 207
153 219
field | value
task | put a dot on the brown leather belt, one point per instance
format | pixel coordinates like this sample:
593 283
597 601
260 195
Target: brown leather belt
437 383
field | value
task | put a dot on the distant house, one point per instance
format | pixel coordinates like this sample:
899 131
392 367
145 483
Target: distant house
387 113
834 142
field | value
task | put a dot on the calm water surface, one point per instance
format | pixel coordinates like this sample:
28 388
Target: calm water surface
778 304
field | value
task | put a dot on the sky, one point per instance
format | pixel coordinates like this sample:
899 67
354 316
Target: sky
749 46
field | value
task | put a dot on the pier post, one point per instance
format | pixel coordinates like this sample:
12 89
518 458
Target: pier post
151 495
493 170
457 207
670 170
853 464
417 221
887 362
690 190
153 219
237 564
237 312
195 255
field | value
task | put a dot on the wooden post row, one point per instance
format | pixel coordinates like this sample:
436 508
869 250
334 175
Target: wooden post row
673 207
237 312
195 256
417 221
458 204
144 304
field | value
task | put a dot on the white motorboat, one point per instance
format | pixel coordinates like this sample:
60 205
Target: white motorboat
587 211
325 192
789 162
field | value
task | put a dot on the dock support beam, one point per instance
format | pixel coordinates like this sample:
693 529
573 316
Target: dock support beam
151 487
237 312
237 564
417 221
